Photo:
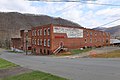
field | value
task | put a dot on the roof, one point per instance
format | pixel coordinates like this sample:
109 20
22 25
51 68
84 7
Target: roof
113 41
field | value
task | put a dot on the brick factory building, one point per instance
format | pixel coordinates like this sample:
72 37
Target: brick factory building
48 39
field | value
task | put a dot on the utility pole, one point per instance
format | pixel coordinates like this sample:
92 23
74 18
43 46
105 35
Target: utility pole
26 40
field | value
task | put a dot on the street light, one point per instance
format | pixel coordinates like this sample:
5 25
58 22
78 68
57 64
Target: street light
26 40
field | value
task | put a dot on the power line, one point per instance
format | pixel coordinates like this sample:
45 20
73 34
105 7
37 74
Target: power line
94 4
66 8
109 22
101 4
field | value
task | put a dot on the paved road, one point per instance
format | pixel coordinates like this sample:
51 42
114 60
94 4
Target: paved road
73 69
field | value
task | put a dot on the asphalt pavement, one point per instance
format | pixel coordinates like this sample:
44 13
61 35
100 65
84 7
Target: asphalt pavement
73 69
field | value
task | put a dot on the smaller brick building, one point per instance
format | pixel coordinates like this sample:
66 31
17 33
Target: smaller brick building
16 44
24 42
48 39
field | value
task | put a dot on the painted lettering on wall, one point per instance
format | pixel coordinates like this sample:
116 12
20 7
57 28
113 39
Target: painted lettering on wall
71 32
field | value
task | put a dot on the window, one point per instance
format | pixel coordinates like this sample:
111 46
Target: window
107 40
95 40
95 34
87 33
90 40
38 42
90 33
40 50
35 33
45 31
85 40
44 51
40 32
35 42
32 41
48 31
44 42
48 42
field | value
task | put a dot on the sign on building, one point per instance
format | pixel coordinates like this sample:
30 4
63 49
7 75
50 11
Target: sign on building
71 32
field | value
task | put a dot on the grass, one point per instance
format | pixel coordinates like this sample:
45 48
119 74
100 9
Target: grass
77 51
35 75
113 54
6 64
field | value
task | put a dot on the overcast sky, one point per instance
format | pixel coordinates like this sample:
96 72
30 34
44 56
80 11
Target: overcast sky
87 15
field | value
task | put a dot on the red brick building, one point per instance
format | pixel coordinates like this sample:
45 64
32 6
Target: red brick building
48 39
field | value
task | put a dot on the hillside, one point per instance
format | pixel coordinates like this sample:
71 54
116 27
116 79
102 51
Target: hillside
100 28
12 22
114 31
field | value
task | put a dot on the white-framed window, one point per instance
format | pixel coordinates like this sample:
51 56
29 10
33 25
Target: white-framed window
35 41
48 42
48 31
44 42
45 31
34 32
40 32
38 42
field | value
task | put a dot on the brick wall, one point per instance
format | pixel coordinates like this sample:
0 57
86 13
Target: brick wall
39 37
